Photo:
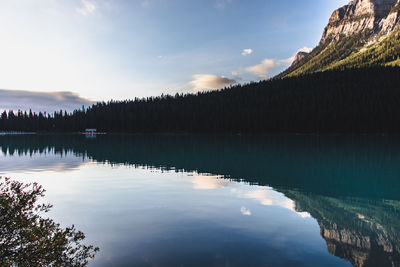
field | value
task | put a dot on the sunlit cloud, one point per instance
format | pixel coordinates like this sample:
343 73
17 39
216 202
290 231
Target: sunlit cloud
245 211
263 69
210 82
87 8
291 59
269 66
305 49
247 52
41 101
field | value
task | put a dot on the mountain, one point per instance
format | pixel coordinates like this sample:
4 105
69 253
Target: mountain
363 33
299 56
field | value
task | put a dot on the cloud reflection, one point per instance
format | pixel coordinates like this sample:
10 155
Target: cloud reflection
245 211
266 196
39 162
208 182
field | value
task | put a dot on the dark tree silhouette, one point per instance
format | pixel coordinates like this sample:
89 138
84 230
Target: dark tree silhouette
28 239
355 100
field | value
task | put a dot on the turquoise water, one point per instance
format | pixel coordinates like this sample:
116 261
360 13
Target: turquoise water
183 200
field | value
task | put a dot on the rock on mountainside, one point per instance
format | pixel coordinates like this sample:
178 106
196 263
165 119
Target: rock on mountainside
355 229
376 16
299 56
360 34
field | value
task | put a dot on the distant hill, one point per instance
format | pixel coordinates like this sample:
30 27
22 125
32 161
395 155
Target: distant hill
363 33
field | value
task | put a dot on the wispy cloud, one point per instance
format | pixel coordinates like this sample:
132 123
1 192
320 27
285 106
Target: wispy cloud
87 7
305 49
210 82
220 4
236 76
291 59
247 52
41 101
263 69
268 66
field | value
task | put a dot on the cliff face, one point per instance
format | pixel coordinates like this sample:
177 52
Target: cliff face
361 34
375 16
362 231
299 56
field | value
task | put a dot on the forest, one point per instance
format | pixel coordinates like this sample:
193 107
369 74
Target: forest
358 100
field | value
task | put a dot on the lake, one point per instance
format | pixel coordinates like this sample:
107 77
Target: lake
220 200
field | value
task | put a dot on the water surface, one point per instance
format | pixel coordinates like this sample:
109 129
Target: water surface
182 200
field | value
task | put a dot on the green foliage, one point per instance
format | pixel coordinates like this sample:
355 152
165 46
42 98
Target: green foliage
386 52
349 52
327 54
28 239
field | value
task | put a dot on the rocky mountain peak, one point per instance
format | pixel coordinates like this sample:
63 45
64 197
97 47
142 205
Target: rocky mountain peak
363 33
299 56
375 16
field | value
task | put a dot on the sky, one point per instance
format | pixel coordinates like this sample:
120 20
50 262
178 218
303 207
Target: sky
62 54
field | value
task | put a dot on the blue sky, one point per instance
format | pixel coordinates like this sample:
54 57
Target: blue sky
120 49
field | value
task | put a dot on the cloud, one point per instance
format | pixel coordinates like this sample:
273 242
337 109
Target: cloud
247 52
41 101
235 75
264 69
291 59
210 82
87 8
268 66
305 49
220 4
245 211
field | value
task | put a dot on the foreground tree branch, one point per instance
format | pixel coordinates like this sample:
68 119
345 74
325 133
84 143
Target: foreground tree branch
28 239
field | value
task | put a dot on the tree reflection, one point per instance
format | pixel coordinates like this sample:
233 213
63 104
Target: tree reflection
28 239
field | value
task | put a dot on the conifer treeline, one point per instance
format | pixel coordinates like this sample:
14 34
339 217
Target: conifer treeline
347 101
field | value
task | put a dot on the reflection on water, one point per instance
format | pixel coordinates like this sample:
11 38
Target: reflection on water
365 232
29 239
278 185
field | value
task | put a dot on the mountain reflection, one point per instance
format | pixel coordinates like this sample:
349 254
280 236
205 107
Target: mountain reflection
350 185
365 232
